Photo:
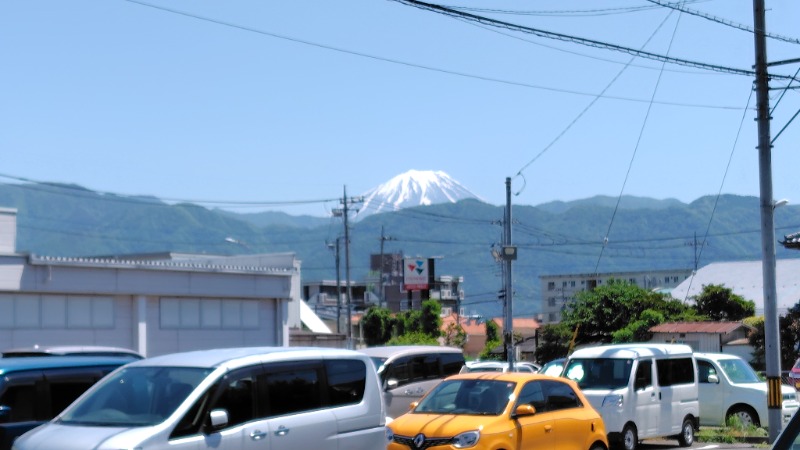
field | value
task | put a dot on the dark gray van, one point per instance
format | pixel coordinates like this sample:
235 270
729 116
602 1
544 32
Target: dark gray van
33 389
407 372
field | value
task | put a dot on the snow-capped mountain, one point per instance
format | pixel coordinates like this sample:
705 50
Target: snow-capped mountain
413 188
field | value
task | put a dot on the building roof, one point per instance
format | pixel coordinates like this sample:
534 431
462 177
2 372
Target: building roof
745 278
699 327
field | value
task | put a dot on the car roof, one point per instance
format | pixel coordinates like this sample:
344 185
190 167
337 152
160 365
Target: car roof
20 364
716 356
386 351
505 376
632 350
232 357
59 350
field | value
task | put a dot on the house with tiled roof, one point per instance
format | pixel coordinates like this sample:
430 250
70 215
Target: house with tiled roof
716 337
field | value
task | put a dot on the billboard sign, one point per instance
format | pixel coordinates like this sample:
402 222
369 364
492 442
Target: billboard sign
415 274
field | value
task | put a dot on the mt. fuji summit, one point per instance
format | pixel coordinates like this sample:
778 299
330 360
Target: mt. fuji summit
414 188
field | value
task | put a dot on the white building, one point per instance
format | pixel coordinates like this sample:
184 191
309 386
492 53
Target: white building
558 290
154 304
746 279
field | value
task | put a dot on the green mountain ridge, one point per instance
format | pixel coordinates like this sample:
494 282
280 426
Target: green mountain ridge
646 234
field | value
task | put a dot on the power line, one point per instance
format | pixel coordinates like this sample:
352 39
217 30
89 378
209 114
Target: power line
422 66
679 7
578 40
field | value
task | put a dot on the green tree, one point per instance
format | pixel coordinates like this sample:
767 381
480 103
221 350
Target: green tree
413 338
718 303
614 306
492 339
377 324
454 335
431 319
788 329
554 342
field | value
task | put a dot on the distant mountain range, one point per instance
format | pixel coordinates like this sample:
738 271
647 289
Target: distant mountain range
553 238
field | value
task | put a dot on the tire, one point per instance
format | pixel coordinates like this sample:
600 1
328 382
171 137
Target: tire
629 439
598 446
686 438
745 414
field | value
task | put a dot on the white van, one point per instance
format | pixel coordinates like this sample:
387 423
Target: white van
240 398
641 390
407 372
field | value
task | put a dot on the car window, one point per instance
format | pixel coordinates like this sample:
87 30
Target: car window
675 371
559 396
238 397
346 381
451 363
290 391
704 370
21 399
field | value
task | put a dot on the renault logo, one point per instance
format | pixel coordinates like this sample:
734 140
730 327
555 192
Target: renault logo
419 440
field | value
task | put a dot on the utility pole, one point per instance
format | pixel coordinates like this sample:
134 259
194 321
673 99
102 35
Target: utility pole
772 346
509 254
345 214
381 288
338 289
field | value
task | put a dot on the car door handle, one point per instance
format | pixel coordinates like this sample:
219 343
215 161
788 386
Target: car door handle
257 435
281 431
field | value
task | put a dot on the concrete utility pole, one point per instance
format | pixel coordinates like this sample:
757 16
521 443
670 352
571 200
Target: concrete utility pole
509 254
349 285
772 348
381 292
338 288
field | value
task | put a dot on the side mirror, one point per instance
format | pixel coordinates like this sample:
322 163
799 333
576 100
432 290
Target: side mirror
5 413
524 410
218 418
713 379
412 405
391 383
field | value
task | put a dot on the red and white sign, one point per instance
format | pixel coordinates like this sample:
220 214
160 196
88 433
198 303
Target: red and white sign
415 274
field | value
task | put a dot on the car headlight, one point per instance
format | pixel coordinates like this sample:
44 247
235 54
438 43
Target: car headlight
467 439
613 400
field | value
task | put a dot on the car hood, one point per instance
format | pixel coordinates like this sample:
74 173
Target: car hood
53 436
444 425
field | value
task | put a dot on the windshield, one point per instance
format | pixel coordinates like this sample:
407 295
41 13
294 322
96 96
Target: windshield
599 373
480 397
738 371
135 396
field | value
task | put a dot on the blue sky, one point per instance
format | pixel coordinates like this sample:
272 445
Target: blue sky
291 101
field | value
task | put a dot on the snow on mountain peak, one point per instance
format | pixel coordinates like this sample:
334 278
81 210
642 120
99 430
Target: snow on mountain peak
414 188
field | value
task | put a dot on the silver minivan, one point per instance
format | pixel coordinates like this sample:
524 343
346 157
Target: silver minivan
237 398
407 372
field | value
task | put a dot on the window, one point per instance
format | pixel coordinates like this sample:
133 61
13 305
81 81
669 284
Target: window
563 284
572 283
704 370
237 397
551 285
644 375
452 363
551 302
559 396
675 371
22 402
290 391
346 381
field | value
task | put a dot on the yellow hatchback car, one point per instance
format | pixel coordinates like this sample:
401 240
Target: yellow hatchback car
493 410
